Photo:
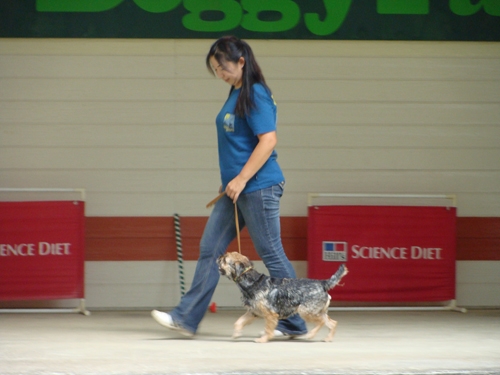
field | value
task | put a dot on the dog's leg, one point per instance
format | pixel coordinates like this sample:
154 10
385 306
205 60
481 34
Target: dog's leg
332 325
271 320
242 321
318 320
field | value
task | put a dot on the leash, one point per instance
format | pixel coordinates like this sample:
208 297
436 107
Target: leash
238 278
213 201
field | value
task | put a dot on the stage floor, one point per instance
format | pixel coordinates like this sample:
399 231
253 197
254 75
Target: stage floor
376 342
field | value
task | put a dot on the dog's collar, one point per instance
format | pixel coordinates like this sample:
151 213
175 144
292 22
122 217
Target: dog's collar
238 278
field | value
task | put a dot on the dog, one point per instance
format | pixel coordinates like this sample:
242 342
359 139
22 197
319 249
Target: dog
279 298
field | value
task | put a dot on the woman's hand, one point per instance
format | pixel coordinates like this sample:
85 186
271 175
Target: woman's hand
235 187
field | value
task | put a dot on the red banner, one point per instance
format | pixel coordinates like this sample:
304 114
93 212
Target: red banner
393 253
41 250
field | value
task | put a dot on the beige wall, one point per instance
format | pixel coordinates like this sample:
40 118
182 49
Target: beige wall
155 284
131 121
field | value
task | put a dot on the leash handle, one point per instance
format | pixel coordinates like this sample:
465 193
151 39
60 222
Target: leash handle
213 201
237 222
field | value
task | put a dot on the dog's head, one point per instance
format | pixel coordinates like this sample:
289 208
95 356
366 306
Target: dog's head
233 265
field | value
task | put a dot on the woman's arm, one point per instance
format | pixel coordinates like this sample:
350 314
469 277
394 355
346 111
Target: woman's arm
262 152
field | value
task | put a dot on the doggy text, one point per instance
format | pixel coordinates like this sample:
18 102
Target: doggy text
287 13
30 249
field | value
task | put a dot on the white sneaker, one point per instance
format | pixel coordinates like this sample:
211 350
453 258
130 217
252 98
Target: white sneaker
166 320
278 334
282 335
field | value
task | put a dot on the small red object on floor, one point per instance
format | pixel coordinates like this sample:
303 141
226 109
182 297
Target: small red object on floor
213 307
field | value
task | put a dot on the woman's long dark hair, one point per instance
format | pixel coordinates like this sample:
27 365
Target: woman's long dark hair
231 48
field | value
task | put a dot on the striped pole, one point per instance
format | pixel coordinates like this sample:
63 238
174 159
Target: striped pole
180 260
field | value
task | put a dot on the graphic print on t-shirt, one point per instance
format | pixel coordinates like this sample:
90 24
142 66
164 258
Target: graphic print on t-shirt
229 123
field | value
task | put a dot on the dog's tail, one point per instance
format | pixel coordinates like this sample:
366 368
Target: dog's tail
335 279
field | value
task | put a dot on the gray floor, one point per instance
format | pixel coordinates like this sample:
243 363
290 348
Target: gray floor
406 342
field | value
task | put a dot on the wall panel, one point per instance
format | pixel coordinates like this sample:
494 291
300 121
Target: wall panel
132 122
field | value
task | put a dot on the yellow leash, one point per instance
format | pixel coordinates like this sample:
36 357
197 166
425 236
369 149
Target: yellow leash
213 201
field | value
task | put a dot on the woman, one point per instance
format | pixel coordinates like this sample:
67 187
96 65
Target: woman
251 178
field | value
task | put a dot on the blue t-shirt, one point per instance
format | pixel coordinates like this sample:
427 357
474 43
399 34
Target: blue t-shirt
237 138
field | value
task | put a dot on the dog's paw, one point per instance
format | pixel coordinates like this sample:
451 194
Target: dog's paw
236 335
262 340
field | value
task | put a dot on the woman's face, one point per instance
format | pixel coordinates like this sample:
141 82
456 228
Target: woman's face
231 72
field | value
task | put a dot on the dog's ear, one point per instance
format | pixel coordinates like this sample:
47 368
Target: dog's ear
239 268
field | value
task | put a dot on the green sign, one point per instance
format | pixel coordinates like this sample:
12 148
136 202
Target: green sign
256 19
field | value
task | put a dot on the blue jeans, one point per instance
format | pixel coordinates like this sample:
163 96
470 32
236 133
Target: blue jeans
259 212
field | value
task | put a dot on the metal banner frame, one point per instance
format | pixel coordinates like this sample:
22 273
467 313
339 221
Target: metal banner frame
452 304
